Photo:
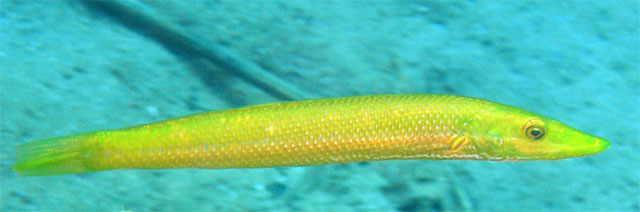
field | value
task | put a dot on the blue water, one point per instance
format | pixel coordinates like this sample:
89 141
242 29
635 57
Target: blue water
68 68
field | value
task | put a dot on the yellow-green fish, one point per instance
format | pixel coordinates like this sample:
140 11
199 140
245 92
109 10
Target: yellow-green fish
312 132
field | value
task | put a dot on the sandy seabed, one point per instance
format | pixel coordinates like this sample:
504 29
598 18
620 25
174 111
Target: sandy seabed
66 68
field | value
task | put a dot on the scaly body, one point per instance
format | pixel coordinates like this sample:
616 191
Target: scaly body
311 132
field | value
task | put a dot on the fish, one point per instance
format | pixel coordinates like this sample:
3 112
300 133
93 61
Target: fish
317 132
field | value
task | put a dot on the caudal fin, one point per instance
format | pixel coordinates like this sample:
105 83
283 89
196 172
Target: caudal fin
64 155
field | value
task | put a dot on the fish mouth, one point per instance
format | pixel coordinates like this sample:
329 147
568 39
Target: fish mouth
578 148
597 145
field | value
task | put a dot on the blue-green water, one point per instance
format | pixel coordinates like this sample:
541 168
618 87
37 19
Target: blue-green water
66 68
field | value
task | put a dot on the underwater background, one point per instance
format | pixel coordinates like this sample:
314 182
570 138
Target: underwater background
68 67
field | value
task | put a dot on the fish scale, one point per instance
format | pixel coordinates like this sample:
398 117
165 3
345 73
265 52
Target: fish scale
312 132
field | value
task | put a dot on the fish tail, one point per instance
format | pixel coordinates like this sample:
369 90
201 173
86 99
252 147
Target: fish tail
63 155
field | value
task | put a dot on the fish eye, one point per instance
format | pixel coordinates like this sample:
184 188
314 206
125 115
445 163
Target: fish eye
534 131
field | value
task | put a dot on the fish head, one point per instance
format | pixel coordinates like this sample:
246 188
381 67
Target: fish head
519 135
